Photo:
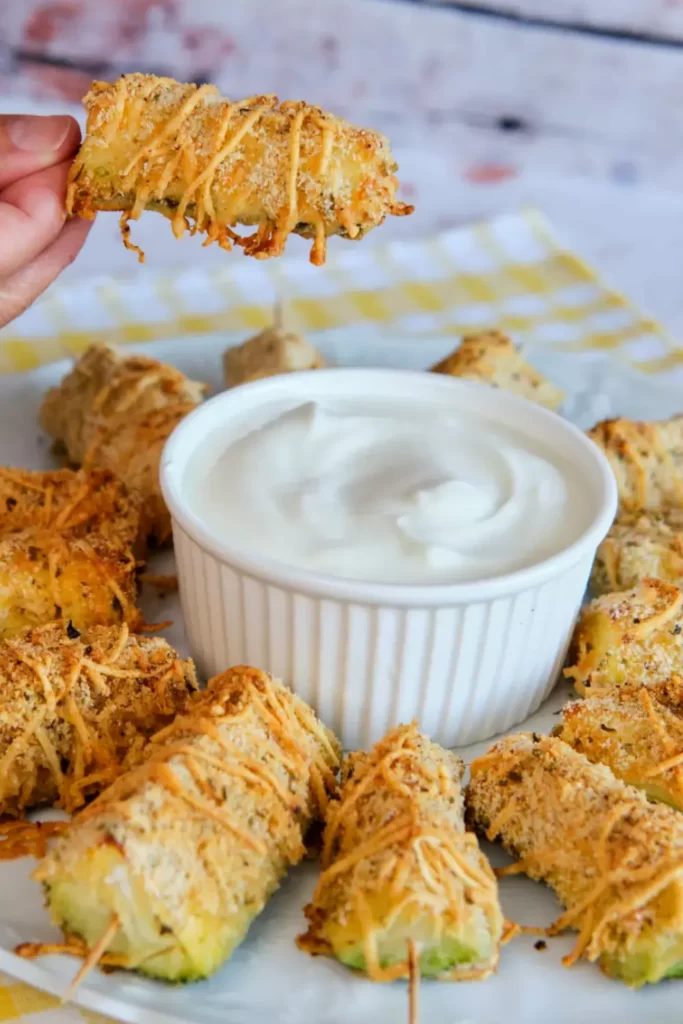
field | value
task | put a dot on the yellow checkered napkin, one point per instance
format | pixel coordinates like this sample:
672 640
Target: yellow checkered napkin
19 1001
509 272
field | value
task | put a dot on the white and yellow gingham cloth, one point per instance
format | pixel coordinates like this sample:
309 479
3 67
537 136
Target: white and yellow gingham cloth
509 272
21 1002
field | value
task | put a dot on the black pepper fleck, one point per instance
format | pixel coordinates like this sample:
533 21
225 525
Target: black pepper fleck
540 944
71 631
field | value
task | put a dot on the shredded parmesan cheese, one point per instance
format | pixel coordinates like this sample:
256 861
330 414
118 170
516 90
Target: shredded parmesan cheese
646 459
221 798
70 503
28 838
63 736
182 149
630 638
637 732
115 413
396 839
603 848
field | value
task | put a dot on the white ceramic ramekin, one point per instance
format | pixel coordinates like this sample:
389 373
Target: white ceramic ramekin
466 660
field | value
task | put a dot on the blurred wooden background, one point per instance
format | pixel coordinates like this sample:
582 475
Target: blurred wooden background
570 105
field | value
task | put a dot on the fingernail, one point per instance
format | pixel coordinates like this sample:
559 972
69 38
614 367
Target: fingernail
39 134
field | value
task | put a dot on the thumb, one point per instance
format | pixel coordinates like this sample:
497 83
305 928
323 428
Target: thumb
29 144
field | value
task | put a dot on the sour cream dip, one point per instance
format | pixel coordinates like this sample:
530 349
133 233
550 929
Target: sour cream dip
379 491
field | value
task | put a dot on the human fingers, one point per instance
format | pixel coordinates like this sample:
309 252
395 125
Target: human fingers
18 291
29 144
31 216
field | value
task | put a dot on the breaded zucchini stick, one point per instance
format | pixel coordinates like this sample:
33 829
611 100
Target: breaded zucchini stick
637 733
640 545
46 575
398 867
492 358
156 144
267 354
614 859
115 412
72 503
647 459
632 638
178 856
76 708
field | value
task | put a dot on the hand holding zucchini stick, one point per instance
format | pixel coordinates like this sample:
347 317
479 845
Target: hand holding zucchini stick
172 863
398 867
614 859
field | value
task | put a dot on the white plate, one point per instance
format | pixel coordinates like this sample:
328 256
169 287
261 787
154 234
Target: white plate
268 980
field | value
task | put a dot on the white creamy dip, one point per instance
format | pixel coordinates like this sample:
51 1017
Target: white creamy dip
380 492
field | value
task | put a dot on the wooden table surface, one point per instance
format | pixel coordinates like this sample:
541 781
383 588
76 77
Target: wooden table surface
573 106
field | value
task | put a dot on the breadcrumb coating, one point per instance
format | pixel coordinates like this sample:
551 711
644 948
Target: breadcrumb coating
398 865
115 412
155 144
647 460
640 545
634 638
76 708
267 354
491 357
46 575
71 503
637 733
186 848
614 859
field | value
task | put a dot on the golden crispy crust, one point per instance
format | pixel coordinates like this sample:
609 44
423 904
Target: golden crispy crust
46 575
633 637
491 357
75 709
71 503
647 460
115 412
637 733
608 853
398 827
270 352
186 152
216 812
640 545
